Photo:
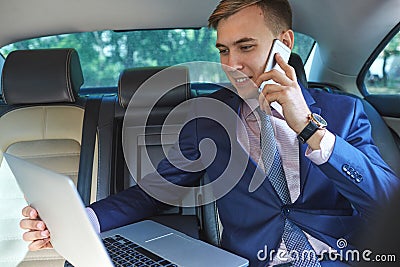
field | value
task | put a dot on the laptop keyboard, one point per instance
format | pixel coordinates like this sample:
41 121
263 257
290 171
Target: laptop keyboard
124 252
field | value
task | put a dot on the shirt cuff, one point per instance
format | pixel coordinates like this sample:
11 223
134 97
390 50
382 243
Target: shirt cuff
93 219
322 155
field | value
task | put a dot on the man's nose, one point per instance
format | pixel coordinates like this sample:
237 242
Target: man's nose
234 62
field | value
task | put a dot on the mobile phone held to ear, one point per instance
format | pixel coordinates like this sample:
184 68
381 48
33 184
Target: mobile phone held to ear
284 52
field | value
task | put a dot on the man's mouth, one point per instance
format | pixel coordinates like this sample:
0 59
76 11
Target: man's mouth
241 80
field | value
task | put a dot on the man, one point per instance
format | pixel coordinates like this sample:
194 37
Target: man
334 180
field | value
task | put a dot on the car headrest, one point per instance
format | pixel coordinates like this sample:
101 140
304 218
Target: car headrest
296 62
41 76
155 81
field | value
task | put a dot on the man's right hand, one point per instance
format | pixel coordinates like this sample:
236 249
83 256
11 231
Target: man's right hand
37 233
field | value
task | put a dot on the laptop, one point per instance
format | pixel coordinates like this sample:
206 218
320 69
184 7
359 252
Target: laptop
146 243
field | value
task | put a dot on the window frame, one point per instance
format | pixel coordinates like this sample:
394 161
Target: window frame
364 70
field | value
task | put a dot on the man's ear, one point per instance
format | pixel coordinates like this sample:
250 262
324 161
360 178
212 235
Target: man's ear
287 37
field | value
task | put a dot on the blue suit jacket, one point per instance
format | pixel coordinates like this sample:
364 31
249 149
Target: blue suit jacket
335 200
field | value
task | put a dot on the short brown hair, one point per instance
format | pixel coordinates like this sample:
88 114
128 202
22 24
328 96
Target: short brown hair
277 13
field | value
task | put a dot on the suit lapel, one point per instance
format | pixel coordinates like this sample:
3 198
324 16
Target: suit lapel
233 100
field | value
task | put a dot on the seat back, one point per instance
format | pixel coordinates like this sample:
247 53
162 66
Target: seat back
144 119
296 62
42 123
386 140
147 134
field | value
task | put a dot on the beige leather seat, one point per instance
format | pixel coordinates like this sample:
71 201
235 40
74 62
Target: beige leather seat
43 124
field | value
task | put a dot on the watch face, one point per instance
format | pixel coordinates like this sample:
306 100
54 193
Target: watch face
321 122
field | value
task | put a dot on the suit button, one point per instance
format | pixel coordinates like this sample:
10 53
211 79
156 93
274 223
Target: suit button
350 172
285 211
345 168
359 178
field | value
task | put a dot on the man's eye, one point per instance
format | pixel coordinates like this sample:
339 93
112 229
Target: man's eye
223 51
247 47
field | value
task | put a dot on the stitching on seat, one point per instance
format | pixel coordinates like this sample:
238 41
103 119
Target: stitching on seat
67 74
187 85
51 155
10 238
217 224
48 256
99 157
2 83
120 90
44 120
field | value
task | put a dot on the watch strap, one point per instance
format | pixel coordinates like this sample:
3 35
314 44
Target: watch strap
307 132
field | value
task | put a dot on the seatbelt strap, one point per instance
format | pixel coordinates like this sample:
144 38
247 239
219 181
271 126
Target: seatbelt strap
89 129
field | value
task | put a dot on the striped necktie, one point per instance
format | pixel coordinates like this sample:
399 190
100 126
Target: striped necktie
295 240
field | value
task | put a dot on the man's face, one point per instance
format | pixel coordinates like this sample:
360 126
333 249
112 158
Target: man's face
244 41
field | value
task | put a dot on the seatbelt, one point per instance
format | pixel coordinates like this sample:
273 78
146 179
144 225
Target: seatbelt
89 129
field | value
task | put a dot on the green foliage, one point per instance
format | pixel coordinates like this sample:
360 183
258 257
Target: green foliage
105 54
388 81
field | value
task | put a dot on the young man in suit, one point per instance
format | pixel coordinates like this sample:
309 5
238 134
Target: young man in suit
335 177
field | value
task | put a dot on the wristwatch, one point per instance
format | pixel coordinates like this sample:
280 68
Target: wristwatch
315 122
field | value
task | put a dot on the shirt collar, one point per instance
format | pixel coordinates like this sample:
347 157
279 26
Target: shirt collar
250 105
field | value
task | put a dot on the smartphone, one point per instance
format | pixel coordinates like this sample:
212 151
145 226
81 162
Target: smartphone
284 51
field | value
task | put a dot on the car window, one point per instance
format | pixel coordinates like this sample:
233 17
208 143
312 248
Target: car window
383 76
104 54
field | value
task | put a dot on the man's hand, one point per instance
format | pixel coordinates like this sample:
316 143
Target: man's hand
287 93
37 233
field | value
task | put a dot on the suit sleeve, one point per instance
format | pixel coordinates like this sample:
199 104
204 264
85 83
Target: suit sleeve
138 202
357 169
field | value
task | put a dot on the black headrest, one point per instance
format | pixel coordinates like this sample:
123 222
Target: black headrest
296 62
155 81
41 76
